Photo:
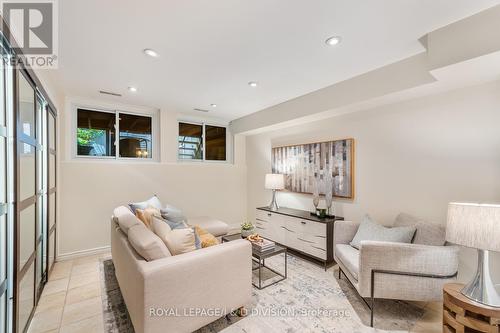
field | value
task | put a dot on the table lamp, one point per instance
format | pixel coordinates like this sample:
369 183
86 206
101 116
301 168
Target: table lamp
477 226
274 181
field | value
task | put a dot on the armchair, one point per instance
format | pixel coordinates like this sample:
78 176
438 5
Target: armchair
414 272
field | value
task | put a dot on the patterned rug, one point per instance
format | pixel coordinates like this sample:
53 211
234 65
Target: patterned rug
309 300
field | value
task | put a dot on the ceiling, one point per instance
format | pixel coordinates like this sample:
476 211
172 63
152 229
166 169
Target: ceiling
210 50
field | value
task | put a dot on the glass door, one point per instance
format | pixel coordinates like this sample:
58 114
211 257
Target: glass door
3 205
51 186
27 192
27 152
41 226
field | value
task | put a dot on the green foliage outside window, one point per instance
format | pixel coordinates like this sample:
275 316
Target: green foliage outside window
86 136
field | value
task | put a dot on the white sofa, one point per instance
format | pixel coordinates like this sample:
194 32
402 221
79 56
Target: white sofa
179 293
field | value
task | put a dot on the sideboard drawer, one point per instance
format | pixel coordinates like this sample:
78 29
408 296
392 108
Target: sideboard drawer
314 228
314 240
315 251
264 216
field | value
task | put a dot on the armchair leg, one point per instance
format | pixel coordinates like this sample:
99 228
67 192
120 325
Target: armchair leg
340 271
371 311
372 296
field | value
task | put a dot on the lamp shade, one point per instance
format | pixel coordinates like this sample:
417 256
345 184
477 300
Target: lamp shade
275 181
474 225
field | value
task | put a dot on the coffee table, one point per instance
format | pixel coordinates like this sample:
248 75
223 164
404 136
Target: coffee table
260 259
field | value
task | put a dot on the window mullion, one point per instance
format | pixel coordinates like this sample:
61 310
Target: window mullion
203 141
117 134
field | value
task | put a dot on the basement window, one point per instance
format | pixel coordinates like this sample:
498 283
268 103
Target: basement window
113 134
202 142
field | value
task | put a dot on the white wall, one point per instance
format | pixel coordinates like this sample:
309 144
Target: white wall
413 157
91 189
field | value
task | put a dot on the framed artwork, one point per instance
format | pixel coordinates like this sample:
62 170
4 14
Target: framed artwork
307 165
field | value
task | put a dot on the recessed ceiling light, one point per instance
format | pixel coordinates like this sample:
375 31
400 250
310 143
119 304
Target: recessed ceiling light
132 89
213 105
253 84
151 53
332 41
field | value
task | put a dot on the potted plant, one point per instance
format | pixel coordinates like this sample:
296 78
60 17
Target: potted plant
247 229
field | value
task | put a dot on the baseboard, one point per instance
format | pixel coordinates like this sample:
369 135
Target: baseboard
83 253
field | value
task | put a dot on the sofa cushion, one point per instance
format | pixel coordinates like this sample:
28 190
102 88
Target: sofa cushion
173 214
146 215
146 243
427 233
153 201
213 226
349 257
370 230
125 218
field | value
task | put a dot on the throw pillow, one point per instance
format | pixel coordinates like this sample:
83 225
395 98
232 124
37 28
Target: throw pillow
146 215
206 238
126 219
173 214
180 241
174 225
153 201
427 233
146 243
159 227
370 230
197 241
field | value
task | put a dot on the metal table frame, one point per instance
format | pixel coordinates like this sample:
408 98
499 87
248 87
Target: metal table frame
260 258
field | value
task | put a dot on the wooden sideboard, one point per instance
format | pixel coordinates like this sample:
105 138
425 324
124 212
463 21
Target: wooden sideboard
298 230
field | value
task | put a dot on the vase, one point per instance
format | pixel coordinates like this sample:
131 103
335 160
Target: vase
315 193
328 191
246 233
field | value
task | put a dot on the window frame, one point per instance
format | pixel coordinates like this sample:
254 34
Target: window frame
204 124
154 135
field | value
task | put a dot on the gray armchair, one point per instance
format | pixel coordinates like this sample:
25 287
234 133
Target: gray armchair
414 272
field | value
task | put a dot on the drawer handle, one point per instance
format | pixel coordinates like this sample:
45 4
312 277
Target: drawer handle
269 214
302 222
320 236
259 228
318 248
305 241
261 220
288 229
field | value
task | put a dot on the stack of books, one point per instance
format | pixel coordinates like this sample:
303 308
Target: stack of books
263 245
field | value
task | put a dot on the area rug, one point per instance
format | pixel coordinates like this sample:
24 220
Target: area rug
309 300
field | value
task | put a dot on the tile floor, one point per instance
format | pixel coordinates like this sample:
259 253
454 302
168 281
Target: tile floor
71 301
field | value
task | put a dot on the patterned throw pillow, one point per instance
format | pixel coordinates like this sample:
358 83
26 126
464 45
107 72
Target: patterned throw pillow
146 215
206 238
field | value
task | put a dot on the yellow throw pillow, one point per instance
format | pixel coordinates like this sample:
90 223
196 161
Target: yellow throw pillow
146 215
206 238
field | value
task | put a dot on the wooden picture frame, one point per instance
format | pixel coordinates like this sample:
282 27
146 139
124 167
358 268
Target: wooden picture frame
302 163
